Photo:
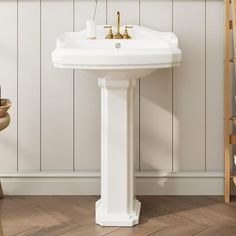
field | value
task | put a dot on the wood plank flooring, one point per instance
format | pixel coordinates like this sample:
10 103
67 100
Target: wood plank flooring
74 215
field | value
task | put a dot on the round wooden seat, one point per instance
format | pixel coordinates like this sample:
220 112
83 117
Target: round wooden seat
4 121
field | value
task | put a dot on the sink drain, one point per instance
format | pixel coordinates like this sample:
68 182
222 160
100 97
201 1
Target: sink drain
117 45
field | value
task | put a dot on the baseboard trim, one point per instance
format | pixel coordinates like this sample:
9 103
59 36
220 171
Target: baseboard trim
88 183
96 174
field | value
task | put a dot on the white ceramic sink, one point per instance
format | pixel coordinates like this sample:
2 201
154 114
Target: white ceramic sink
117 64
147 51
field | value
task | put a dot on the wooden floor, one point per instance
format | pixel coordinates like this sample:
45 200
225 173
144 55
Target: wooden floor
74 215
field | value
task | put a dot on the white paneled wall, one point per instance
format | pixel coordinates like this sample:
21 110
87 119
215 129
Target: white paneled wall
9 82
56 113
28 85
214 85
56 90
156 97
189 87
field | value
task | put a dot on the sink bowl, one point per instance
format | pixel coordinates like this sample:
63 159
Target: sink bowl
117 64
137 57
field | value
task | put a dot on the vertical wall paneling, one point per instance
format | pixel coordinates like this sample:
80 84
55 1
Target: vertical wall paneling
156 97
214 84
189 87
57 89
28 85
129 11
56 113
8 81
87 98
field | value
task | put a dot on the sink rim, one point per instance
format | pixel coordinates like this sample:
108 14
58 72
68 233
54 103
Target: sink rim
116 67
74 51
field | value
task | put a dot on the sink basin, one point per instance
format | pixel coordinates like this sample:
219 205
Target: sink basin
117 64
147 51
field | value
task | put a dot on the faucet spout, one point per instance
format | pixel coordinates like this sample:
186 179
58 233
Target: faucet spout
118 35
118 22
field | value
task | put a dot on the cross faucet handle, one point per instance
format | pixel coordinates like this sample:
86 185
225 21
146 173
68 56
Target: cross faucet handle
126 34
110 33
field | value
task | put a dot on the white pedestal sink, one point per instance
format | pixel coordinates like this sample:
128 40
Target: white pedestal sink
117 64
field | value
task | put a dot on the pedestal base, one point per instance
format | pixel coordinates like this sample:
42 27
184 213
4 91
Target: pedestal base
117 206
116 219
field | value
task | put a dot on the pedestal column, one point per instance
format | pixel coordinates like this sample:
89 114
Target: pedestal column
118 205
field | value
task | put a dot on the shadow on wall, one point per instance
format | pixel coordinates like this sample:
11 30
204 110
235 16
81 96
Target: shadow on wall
156 121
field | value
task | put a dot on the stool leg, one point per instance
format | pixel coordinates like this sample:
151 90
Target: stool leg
1 192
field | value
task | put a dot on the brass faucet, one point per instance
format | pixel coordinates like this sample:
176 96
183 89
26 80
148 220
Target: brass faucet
118 35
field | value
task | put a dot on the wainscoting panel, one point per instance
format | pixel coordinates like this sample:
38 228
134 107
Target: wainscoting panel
156 97
189 87
214 84
56 113
28 85
56 90
9 81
